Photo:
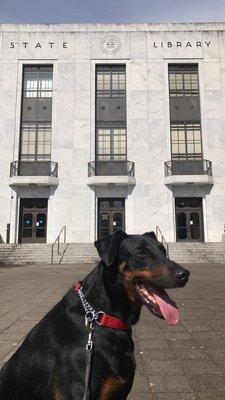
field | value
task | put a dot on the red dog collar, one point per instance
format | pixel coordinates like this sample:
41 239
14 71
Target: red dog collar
107 320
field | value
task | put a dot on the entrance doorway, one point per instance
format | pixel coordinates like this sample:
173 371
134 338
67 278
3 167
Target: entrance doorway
189 219
33 221
111 215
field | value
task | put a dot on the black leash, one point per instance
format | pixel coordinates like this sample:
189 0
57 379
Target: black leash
92 318
89 350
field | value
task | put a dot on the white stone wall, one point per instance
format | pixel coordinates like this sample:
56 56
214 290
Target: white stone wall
146 50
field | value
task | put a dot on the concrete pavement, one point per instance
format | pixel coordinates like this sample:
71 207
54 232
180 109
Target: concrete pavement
186 362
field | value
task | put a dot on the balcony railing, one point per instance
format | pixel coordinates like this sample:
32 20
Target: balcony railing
34 168
110 168
188 167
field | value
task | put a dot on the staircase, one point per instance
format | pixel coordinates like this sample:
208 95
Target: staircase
80 253
72 253
41 253
211 252
32 253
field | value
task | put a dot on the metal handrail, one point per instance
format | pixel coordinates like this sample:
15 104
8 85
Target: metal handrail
188 167
161 239
57 240
125 168
34 168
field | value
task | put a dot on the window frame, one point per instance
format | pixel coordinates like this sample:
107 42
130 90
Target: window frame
112 70
36 126
186 125
112 155
38 69
183 70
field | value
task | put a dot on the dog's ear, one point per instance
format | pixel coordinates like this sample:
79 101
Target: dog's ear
151 234
108 247
161 246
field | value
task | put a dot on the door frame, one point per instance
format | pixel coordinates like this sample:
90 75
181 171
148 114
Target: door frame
188 210
35 211
111 211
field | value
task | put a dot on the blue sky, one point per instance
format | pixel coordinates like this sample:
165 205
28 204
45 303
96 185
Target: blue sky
111 11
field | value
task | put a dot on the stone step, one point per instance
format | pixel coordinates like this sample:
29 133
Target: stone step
72 253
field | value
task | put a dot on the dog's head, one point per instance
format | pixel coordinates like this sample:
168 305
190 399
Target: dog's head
145 269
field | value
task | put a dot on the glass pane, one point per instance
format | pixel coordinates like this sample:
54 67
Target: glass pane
118 204
190 148
45 84
104 204
104 224
37 81
182 135
41 204
174 135
104 220
117 221
181 225
182 148
30 84
27 232
195 226
40 232
41 220
27 220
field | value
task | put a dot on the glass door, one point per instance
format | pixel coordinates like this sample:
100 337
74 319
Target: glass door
111 216
189 219
33 221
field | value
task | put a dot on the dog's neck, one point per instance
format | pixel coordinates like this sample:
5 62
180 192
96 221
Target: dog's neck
104 290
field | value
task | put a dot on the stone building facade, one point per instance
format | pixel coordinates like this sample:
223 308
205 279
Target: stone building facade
112 126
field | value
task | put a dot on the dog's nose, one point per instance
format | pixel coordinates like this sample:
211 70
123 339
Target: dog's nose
182 275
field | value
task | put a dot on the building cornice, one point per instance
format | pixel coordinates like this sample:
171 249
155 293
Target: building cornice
146 27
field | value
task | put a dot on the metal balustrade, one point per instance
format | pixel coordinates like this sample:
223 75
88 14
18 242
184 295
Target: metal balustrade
188 167
109 168
34 168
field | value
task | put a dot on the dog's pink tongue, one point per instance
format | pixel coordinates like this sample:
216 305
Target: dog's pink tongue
167 306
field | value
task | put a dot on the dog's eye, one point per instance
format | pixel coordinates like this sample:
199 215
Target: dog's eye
141 253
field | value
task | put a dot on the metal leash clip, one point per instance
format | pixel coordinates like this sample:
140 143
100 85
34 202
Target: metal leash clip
89 318
90 329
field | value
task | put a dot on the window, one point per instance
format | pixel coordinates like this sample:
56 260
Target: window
35 142
186 141
37 81
35 135
111 81
183 80
111 144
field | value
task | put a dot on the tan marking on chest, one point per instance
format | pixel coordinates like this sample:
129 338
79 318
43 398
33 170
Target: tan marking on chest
58 396
110 386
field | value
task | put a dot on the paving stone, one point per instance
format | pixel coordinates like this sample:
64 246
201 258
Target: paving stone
163 367
200 367
164 383
5 348
21 327
153 344
176 396
205 382
210 396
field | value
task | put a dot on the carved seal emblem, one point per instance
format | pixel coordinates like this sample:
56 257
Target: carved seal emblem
110 44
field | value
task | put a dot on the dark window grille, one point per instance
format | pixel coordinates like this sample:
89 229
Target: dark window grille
111 144
35 142
111 81
37 81
183 80
35 135
186 141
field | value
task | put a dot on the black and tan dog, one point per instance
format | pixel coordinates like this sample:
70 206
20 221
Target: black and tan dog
50 364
